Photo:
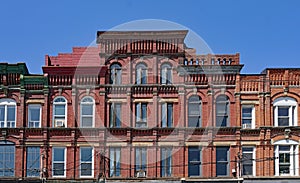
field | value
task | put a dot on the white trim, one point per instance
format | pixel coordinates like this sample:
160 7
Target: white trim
253 161
286 102
294 157
65 162
252 114
92 163
29 114
93 112
53 110
8 102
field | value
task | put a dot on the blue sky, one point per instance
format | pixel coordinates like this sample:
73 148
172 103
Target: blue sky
264 32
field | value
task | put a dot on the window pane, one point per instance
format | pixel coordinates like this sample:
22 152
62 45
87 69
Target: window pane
284 148
170 115
247 169
283 111
164 115
118 115
2 112
58 169
222 161
194 121
284 169
59 154
86 169
194 161
11 113
222 169
283 121
7 159
33 162
34 113
87 121
87 109
59 109
247 112
86 154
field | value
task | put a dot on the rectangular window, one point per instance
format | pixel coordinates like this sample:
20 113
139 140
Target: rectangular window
141 114
194 112
166 114
247 116
194 161
166 75
115 115
287 160
222 114
34 116
248 161
86 162
7 116
7 159
283 116
222 157
166 162
33 161
59 162
140 159
114 163
87 115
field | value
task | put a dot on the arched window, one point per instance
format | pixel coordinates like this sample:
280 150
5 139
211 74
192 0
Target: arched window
141 73
59 112
7 113
115 74
285 111
7 159
222 111
286 157
87 111
194 111
166 74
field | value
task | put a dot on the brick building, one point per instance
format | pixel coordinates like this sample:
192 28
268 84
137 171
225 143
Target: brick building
142 106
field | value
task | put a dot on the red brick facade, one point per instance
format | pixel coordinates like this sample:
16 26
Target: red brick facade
236 111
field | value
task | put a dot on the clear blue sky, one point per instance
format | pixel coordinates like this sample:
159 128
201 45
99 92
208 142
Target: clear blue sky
264 32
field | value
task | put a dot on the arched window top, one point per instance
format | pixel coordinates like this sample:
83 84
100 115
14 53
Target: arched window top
285 101
141 66
5 142
286 142
194 98
60 100
115 66
166 66
88 100
222 98
8 101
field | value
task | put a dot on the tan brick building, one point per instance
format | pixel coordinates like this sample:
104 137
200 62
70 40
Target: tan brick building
142 106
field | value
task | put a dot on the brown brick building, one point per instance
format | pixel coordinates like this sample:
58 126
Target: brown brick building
142 106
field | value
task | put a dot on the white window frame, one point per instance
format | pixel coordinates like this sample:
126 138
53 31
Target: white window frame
115 74
93 112
66 110
8 102
85 176
141 120
114 154
193 102
252 116
253 157
65 162
30 106
294 157
291 104
166 74
141 72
